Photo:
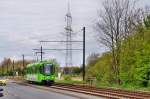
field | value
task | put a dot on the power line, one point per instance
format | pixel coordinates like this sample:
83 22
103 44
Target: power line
56 49
61 41
83 49
40 51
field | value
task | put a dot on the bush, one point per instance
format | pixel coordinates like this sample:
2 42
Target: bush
67 77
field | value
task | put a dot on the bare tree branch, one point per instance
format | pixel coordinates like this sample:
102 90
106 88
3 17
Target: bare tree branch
118 20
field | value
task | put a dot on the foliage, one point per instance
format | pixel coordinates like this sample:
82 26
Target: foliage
147 22
72 70
136 58
8 67
67 77
76 70
100 68
117 21
134 69
92 58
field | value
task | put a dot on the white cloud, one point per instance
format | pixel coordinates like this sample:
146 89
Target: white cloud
24 22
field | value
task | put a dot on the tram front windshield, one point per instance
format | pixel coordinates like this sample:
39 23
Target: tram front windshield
48 69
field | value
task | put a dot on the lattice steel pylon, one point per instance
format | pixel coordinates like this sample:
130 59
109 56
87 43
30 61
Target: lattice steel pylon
68 30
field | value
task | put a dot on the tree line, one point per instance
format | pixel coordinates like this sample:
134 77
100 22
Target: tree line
125 30
8 67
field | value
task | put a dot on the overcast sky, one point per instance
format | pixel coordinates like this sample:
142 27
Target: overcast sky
24 22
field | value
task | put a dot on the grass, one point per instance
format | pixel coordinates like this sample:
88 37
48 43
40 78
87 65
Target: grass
130 87
69 82
70 79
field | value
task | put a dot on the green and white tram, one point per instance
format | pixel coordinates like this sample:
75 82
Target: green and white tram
41 72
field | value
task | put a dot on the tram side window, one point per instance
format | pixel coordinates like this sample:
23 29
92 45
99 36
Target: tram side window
41 70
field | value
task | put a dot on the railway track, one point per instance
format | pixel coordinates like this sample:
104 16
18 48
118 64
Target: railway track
103 92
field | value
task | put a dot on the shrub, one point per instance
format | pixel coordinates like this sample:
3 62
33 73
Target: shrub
67 77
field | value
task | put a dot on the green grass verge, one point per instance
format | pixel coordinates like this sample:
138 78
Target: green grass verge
129 87
70 82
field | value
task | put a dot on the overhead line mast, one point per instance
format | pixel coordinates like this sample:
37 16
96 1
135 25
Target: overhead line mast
68 28
69 41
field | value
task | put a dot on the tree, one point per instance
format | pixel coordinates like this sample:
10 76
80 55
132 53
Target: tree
118 19
8 68
147 22
101 68
135 61
91 60
5 65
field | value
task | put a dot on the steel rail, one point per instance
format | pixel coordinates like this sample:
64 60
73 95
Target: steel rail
118 93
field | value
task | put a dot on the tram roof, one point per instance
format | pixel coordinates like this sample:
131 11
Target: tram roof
38 63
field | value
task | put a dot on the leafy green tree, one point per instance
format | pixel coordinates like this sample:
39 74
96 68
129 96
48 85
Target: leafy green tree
101 69
147 22
135 57
134 60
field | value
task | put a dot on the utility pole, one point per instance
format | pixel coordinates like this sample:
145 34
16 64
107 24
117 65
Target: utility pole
40 50
83 41
83 54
